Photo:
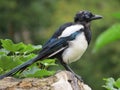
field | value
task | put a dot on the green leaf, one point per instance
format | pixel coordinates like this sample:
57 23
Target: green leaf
36 72
1 70
8 62
19 47
3 51
48 62
28 48
117 83
9 45
109 85
109 36
26 57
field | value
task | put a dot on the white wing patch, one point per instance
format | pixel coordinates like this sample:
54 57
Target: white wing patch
71 29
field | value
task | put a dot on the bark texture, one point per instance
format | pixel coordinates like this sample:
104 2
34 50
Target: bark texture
62 80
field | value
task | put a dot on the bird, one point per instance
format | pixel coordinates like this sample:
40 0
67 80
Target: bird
67 44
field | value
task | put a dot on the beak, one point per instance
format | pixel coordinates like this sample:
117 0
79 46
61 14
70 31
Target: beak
96 17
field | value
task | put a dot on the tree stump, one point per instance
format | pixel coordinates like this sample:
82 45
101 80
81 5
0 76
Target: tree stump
62 80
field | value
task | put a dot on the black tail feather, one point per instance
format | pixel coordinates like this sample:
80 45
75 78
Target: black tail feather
20 67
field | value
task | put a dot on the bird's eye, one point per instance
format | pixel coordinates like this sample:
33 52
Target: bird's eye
90 14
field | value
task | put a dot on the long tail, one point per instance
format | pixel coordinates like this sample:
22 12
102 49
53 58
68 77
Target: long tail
20 67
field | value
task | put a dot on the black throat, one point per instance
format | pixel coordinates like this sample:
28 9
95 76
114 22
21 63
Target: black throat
87 31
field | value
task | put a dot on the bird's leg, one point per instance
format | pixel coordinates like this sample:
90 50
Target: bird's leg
69 69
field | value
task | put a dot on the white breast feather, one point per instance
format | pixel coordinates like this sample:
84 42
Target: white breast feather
69 30
76 49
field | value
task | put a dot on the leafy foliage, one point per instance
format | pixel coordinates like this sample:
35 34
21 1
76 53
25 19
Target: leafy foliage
109 36
19 48
36 72
12 55
111 84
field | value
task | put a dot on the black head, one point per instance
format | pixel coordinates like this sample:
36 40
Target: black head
86 16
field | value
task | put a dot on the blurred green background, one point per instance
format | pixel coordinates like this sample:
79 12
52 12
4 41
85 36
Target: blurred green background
34 21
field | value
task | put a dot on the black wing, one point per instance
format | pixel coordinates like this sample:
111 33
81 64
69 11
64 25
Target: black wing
57 34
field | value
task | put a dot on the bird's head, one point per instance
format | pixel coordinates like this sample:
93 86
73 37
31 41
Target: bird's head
86 16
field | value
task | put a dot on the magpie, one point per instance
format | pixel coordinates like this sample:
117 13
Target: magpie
67 44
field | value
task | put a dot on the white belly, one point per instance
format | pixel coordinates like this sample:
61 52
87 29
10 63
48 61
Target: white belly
76 49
